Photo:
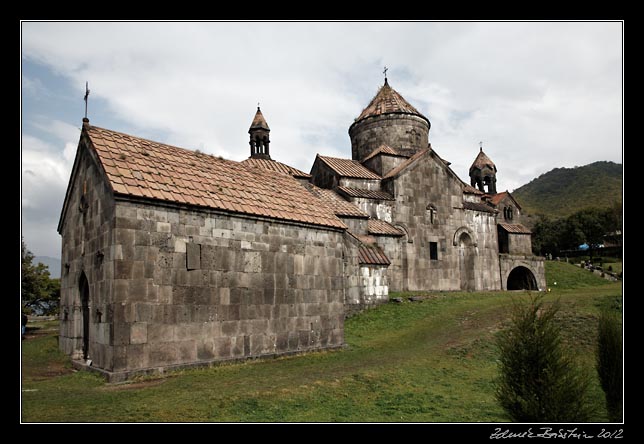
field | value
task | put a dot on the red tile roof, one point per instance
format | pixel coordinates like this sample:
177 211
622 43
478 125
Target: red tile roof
388 101
336 204
380 227
478 207
366 194
400 168
497 198
372 255
142 168
348 168
515 228
383 149
259 121
273 165
482 161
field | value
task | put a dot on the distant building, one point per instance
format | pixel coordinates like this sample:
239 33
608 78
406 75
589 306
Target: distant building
172 257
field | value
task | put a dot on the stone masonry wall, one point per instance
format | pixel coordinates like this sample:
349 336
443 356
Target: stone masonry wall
396 130
86 231
470 267
519 244
535 264
195 287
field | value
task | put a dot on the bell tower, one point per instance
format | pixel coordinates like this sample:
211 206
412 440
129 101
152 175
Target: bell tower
483 173
259 137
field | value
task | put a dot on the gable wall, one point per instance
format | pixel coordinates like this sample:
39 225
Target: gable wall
85 236
428 182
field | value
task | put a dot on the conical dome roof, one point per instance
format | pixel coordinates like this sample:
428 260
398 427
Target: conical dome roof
482 161
388 101
259 122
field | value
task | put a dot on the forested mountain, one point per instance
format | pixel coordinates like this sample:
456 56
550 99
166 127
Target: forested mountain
564 191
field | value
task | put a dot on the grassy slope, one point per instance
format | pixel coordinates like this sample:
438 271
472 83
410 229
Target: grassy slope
422 361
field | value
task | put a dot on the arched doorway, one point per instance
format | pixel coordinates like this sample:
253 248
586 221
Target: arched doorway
521 278
466 261
83 288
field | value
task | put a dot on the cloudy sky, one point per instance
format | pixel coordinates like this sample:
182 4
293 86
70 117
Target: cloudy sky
539 95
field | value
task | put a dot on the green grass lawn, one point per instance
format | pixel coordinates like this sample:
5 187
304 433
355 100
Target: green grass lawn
429 361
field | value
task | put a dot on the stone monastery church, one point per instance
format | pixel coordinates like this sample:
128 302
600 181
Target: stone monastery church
174 258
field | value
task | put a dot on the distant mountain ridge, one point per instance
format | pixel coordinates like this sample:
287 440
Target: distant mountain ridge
53 263
563 191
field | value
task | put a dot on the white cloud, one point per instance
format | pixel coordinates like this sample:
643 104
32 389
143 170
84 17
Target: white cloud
539 95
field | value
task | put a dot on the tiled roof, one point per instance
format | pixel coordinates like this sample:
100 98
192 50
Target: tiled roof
372 255
515 228
388 101
482 161
497 198
348 168
142 168
478 207
259 121
335 203
366 194
405 164
381 227
273 165
468 189
383 149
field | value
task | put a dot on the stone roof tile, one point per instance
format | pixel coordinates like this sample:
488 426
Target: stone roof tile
348 168
189 177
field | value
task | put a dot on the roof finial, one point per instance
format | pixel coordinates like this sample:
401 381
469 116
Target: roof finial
86 96
257 106
385 73
481 146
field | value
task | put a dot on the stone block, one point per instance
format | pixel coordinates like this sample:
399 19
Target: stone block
120 334
139 333
160 333
136 356
164 353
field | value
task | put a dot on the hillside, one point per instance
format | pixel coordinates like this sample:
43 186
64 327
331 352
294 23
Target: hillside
563 191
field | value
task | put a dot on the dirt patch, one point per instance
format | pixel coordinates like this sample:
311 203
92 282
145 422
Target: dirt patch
120 386
52 370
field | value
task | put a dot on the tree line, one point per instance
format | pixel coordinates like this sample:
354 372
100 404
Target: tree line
40 293
590 226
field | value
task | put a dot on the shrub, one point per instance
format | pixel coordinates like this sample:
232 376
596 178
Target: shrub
540 381
609 362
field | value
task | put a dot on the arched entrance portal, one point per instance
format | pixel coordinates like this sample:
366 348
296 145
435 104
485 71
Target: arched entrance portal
521 278
466 261
83 288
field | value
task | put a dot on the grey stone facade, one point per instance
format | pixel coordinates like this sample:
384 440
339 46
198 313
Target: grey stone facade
400 131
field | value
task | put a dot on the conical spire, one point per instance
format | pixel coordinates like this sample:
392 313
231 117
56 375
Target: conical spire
388 101
482 161
259 122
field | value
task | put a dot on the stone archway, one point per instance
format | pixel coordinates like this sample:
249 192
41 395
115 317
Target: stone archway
521 278
83 289
466 261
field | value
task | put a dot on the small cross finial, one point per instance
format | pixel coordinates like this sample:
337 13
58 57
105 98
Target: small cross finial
257 106
385 73
86 96
481 145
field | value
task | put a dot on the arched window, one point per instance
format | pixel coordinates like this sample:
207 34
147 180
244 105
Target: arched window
509 217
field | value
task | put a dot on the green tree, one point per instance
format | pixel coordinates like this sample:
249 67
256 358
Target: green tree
609 362
40 293
540 380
